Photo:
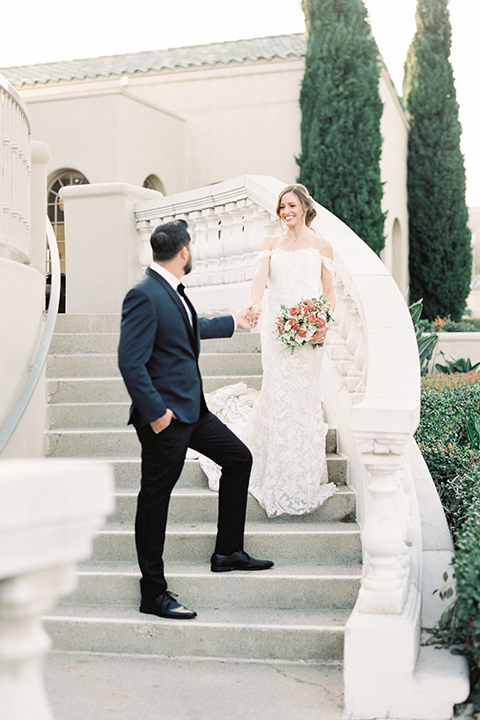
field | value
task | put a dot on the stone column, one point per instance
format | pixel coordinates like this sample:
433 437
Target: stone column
49 510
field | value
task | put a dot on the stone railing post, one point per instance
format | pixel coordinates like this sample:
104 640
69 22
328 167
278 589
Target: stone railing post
102 245
385 535
49 511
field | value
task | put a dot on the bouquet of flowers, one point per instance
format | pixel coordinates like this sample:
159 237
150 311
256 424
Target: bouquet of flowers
298 324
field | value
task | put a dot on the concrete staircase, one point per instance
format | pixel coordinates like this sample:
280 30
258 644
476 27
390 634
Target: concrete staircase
296 611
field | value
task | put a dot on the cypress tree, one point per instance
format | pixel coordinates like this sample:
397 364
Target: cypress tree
341 143
440 242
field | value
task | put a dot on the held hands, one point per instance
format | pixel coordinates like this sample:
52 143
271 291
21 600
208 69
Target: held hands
247 317
163 422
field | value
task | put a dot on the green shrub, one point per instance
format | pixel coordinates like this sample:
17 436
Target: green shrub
440 382
444 415
460 624
449 438
451 326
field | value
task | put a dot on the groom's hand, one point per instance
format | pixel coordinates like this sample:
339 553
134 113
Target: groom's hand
247 317
163 422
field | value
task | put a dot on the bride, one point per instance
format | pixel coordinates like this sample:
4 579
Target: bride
286 431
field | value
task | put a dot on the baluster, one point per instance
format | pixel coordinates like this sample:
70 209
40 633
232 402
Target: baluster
385 584
251 242
199 225
360 362
226 249
238 243
145 256
346 321
213 246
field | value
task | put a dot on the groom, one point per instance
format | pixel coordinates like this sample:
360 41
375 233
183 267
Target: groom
158 358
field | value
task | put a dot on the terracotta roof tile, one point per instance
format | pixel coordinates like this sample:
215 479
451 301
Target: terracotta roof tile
236 51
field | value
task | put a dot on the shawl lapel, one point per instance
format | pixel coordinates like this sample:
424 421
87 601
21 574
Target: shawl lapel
193 331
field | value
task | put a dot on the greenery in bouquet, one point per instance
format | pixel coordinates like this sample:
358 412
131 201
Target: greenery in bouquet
298 324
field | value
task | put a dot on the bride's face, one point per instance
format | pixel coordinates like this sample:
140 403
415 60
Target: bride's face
291 210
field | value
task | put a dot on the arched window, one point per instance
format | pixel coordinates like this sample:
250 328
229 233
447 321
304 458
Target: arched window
153 182
55 207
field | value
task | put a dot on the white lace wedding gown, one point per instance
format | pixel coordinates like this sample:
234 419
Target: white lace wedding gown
285 430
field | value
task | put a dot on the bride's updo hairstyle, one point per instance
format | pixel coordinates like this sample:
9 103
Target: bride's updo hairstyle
307 201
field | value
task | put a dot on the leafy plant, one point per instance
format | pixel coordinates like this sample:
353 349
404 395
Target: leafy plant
461 365
473 431
426 341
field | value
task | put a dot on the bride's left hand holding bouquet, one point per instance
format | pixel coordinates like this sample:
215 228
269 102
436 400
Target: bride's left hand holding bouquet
298 324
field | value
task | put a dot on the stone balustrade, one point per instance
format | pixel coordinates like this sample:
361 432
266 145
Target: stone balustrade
371 387
15 162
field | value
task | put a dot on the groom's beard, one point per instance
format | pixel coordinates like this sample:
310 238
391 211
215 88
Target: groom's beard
187 268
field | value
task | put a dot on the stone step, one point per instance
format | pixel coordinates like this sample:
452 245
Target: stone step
312 635
98 342
70 416
202 506
72 343
112 389
127 474
294 587
332 543
111 442
88 323
101 365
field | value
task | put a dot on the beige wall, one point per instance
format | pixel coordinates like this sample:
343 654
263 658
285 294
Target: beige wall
111 137
22 299
241 120
393 166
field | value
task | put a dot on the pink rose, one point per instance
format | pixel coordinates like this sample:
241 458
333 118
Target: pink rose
321 322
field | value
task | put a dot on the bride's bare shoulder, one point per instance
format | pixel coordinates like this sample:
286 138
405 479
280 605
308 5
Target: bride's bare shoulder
323 246
269 242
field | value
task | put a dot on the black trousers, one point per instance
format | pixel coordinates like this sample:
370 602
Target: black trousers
163 457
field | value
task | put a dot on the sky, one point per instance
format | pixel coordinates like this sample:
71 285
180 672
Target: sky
69 29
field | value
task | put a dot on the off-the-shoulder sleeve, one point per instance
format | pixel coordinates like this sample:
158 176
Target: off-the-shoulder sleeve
264 254
329 264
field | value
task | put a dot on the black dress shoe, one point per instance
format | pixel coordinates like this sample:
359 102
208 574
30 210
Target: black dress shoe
238 561
166 606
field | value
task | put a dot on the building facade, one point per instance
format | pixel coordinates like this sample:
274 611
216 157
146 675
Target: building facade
178 119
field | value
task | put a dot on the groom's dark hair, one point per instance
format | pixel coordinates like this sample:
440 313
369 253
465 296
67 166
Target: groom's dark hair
168 239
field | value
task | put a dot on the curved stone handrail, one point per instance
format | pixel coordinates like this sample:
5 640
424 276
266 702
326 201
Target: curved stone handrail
36 370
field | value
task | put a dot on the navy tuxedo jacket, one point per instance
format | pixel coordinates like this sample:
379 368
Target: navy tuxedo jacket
159 348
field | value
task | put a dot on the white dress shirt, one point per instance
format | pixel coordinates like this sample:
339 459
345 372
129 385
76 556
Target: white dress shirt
174 282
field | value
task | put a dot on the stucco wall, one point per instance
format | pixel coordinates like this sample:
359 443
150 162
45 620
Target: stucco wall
111 137
22 294
394 127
